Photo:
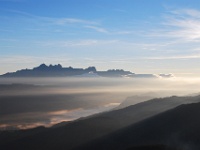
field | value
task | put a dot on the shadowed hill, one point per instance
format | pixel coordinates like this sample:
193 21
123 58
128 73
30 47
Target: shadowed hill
86 129
134 100
178 128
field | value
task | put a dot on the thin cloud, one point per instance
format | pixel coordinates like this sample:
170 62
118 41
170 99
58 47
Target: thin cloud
182 25
44 21
174 57
32 59
98 29
110 32
124 32
76 43
50 20
63 21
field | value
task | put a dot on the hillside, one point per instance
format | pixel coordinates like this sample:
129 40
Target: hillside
86 129
178 128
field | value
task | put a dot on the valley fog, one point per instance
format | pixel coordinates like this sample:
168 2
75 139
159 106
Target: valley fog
31 102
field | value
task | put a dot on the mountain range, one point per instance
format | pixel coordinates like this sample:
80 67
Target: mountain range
161 123
58 71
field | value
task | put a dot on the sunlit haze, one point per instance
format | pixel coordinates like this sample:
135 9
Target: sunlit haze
99 74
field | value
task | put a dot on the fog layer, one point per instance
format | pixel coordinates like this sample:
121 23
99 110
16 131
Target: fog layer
31 102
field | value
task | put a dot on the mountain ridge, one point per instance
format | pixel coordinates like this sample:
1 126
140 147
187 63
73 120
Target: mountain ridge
86 129
59 71
177 128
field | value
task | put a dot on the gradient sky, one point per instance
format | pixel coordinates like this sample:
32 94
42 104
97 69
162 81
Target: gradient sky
143 36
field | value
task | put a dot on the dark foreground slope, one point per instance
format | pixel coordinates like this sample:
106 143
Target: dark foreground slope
177 129
87 129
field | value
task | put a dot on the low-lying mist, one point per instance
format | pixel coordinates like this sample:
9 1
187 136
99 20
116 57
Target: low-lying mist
31 102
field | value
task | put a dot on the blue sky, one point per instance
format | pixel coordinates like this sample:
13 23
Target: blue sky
143 36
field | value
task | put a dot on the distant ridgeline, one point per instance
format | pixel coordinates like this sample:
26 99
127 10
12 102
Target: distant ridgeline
58 71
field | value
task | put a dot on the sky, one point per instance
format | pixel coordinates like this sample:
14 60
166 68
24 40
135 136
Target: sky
143 36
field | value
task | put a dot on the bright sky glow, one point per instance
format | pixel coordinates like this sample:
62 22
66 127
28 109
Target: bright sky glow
143 36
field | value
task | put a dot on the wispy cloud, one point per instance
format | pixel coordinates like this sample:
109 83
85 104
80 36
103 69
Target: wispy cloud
62 21
182 25
76 43
194 56
24 59
110 32
98 29
51 20
43 21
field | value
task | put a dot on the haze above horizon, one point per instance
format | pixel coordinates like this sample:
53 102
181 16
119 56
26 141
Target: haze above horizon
138 35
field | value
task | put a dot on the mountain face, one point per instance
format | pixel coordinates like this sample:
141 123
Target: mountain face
76 133
58 71
50 71
177 129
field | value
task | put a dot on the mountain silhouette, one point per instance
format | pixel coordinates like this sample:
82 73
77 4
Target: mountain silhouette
84 130
178 128
58 71
49 71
